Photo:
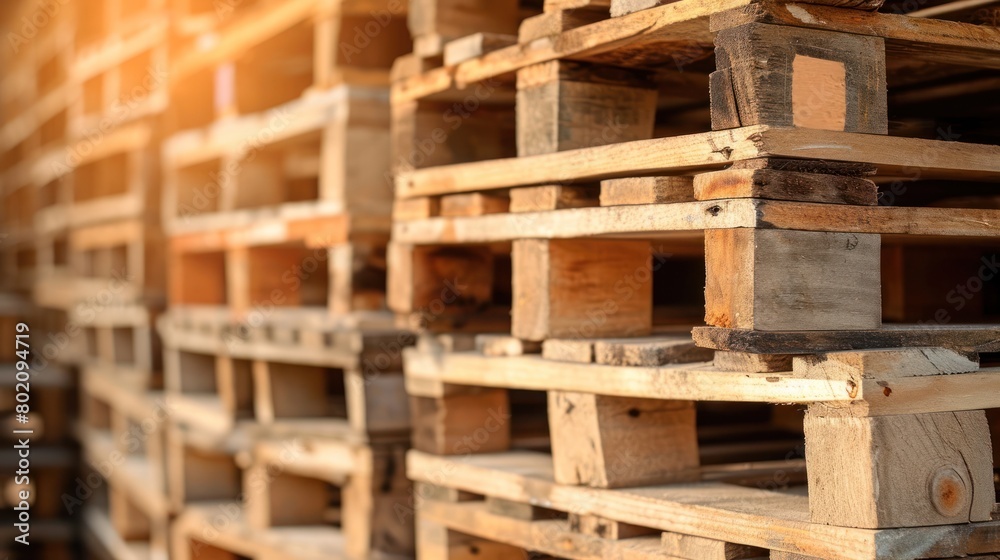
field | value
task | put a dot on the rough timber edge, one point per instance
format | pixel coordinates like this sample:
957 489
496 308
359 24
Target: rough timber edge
684 155
688 221
429 375
708 509
687 21
302 543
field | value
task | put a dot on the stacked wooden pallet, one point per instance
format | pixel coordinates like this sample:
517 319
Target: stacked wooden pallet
101 262
35 97
644 173
283 373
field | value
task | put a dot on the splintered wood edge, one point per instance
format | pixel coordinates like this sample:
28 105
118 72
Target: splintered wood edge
684 155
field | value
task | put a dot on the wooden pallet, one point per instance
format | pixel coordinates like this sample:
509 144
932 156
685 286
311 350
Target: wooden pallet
622 394
603 180
726 515
301 495
297 202
97 228
121 74
121 340
122 430
230 70
281 378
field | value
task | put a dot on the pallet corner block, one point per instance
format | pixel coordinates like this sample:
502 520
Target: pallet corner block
899 471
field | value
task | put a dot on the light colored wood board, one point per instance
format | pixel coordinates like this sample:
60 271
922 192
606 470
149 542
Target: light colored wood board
749 516
554 23
551 537
705 151
701 382
885 364
677 220
677 382
900 471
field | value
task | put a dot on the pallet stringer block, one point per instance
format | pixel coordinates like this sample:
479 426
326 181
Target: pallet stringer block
613 442
581 288
564 105
786 280
899 470
785 76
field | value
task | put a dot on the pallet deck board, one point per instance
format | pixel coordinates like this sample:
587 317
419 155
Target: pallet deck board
431 375
772 520
690 219
709 151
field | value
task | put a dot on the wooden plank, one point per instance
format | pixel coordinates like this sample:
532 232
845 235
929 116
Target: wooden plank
678 382
545 536
899 471
735 514
682 221
706 151
702 382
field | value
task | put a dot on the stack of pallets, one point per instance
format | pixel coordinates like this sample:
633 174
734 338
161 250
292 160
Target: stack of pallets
37 384
688 252
288 415
99 224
